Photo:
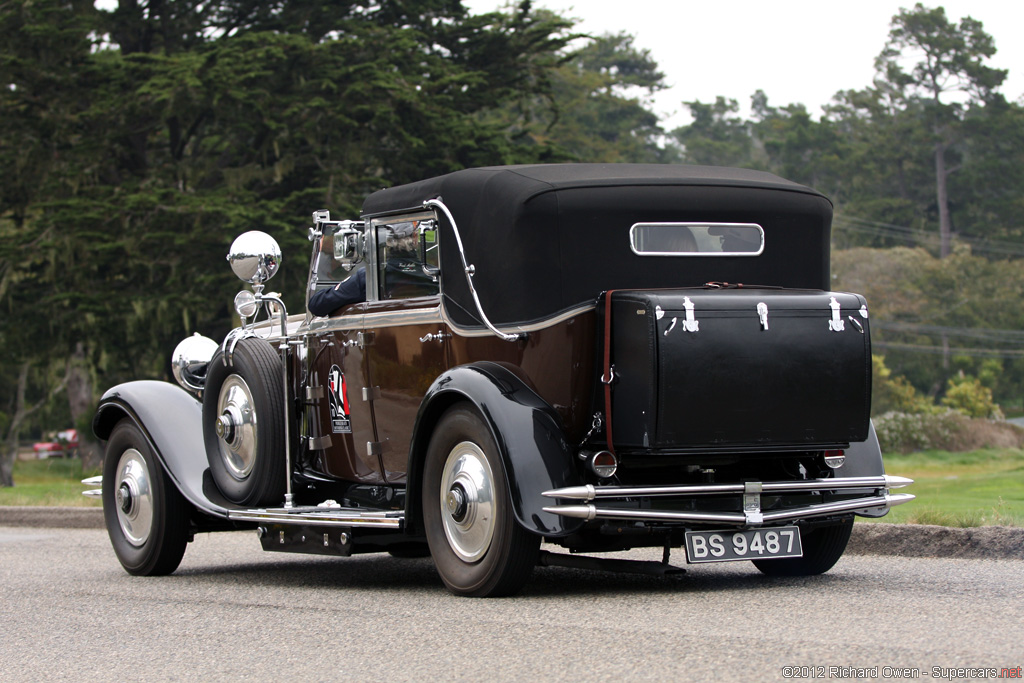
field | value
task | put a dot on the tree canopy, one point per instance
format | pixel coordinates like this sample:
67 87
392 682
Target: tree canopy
138 141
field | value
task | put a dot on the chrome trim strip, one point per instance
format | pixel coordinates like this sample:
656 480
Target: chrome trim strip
426 316
589 492
419 316
341 323
319 517
93 493
591 512
532 327
364 321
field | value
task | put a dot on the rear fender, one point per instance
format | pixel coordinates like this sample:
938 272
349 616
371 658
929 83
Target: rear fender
864 459
528 432
172 421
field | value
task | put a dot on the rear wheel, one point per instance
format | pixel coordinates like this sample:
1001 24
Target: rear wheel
823 546
478 547
243 424
146 516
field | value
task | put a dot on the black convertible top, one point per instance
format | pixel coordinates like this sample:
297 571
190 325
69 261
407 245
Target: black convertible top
545 238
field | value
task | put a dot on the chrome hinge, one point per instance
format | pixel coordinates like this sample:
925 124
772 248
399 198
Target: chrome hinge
373 448
365 338
762 314
691 323
371 393
319 443
836 324
314 393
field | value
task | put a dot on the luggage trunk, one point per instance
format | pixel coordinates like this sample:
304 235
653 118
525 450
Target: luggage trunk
739 369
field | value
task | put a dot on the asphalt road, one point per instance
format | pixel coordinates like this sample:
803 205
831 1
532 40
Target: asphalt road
233 612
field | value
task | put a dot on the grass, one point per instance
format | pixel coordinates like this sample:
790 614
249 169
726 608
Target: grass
977 488
51 482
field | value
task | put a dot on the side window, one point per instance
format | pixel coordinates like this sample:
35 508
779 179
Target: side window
408 260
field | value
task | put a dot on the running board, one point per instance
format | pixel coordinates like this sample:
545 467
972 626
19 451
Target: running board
330 517
333 516
590 512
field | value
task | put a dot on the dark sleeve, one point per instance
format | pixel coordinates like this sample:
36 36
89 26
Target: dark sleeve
351 291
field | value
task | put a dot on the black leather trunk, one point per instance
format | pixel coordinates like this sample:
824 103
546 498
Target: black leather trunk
705 368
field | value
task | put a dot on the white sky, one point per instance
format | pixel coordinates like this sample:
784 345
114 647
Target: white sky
795 50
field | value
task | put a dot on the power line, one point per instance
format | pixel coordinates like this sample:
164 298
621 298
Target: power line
979 333
953 351
930 238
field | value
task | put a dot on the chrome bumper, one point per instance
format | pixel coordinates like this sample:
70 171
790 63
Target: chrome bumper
750 491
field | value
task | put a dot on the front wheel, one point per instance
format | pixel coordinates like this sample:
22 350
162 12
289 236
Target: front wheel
146 516
478 547
823 547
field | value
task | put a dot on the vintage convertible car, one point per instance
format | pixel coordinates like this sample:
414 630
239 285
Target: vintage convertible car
599 357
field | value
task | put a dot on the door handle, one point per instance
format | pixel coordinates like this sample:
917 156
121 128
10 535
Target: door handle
440 335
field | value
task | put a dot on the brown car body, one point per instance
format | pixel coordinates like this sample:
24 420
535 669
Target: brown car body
543 352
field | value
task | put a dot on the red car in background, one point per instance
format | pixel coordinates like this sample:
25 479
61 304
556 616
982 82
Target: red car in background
64 445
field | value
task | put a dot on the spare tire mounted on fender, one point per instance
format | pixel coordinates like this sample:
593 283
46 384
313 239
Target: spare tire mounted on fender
243 423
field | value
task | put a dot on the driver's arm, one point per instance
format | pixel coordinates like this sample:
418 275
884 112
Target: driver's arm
326 301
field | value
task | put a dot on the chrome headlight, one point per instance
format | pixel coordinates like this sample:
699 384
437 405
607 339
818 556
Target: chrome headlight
245 304
190 360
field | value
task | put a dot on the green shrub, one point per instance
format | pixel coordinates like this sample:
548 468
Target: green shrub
900 432
890 393
949 431
970 397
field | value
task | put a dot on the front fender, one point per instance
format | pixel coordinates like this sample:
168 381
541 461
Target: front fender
527 430
172 421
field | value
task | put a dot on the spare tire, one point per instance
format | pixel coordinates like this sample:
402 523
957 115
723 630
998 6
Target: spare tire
243 423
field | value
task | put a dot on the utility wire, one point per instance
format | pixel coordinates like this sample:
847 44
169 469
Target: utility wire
978 333
953 351
930 238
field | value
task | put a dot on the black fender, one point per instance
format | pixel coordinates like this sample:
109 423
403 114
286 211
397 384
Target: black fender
172 420
864 459
528 432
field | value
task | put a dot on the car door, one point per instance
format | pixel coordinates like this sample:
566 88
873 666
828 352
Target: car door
341 421
407 342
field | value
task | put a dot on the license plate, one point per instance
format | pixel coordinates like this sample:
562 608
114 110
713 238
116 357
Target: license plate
732 546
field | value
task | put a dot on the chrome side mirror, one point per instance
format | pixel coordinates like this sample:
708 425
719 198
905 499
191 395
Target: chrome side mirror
255 257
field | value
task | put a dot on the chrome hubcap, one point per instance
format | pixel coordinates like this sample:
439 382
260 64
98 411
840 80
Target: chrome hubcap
467 501
133 497
236 427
